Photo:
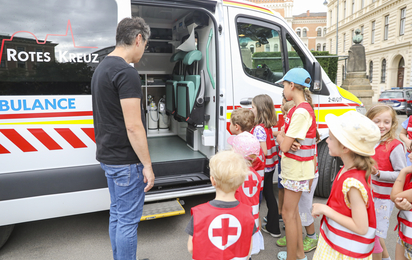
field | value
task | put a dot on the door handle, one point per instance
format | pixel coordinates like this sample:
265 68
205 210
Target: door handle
246 101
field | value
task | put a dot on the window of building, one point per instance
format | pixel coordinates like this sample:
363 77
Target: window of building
324 47
351 38
319 32
276 47
298 32
383 71
324 31
330 45
267 48
344 9
353 6
20 63
386 30
318 47
373 32
370 71
402 23
343 72
344 41
330 15
305 33
361 30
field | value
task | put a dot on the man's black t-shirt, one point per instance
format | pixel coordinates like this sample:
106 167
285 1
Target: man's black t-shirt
113 80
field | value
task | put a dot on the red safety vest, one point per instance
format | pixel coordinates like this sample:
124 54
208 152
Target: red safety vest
340 238
307 149
272 154
409 129
249 192
222 233
405 217
259 165
382 189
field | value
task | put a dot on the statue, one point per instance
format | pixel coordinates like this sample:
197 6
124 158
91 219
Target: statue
358 38
357 56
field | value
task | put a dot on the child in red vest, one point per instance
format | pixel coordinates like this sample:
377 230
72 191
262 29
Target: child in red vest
248 193
222 229
298 166
406 137
265 119
402 190
390 159
349 222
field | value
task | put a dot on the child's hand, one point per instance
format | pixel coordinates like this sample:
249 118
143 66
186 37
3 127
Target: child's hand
318 209
295 146
403 204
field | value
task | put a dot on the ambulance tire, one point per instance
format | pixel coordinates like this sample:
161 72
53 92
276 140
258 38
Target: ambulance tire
5 232
328 167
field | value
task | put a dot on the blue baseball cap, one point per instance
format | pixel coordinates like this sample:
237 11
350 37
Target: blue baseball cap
297 76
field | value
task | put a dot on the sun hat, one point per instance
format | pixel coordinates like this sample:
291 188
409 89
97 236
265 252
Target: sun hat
245 144
297 76
354 131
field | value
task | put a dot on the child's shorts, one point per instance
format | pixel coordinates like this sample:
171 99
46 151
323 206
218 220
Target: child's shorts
305 205
295 186
408 248
383 209
377 248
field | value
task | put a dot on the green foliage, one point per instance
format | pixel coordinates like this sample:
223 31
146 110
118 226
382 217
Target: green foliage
330 65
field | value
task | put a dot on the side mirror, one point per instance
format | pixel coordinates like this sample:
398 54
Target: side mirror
316 85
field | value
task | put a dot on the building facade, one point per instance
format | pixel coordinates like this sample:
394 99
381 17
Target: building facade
387 38
311 28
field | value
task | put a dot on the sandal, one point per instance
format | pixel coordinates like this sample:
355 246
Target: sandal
282 255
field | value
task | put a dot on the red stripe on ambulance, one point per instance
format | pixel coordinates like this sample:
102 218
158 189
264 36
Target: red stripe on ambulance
18 140
89 132
45 139
3 150
70 137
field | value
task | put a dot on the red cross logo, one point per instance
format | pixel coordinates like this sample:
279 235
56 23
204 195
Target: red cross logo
250 185
224 231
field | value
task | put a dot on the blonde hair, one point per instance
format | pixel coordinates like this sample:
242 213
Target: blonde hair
229 170
306 92
266 113
379 109
244 117
288 105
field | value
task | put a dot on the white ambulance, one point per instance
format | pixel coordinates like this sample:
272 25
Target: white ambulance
202 62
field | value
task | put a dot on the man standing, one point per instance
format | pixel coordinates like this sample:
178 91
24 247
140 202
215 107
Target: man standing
120 133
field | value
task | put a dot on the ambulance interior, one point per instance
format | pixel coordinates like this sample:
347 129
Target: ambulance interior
178 72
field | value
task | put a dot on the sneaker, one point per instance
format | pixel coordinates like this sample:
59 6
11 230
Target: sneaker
309 243
281 242
265 219
265 230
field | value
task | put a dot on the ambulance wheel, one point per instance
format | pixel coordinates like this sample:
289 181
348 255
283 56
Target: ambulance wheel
328 168
5 232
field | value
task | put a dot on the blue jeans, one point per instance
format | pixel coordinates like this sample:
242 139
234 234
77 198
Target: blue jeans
126 187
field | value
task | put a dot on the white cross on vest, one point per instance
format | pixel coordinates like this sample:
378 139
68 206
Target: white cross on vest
224 231
250 185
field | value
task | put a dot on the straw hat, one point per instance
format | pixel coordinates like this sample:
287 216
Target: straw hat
354 131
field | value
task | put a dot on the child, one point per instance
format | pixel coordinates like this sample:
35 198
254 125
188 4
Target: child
298 166
265 119
248 193
389 155
349 221
222 229
406 136
402 190
243 120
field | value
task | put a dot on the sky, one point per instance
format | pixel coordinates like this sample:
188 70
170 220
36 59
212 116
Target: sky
301 6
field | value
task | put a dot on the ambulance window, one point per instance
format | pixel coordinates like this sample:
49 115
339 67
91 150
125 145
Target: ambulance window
296 57
55 46
260 60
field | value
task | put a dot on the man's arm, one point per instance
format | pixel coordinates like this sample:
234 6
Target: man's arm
137 136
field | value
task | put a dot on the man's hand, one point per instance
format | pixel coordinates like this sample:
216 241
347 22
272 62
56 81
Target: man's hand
403 204
149 177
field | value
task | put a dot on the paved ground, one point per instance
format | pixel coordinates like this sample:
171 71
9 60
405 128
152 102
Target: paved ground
86 237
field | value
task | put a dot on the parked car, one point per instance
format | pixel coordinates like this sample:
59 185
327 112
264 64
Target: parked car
397 98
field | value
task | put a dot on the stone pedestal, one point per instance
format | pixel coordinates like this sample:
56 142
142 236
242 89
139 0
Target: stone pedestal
359 85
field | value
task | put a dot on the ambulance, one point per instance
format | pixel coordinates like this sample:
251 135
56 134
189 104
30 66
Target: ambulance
202 62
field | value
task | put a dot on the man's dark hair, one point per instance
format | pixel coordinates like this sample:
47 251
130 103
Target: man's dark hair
129 28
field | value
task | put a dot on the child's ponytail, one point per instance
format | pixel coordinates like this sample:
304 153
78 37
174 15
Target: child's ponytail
308 97
364 163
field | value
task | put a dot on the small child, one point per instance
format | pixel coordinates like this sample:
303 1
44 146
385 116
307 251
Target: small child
265 119
222 229
406 137
349 222
389 155
248 193
402 190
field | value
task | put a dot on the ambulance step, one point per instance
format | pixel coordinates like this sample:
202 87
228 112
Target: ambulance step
162 210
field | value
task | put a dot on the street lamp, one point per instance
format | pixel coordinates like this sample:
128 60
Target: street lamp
337 22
